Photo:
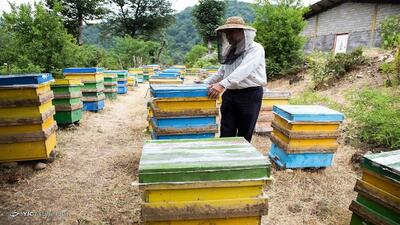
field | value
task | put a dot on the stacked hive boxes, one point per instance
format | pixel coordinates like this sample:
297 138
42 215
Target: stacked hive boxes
122 81
266 116
378 200
93 86
67 101
304 136
203 181
110 85
138 74
166 77
182 111
131 81
27 127
148 71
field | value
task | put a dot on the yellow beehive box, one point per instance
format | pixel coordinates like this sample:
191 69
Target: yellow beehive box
28 95
304 143
60 82
22 151
26 114
85 77
28 132
307 127
167 203
184 106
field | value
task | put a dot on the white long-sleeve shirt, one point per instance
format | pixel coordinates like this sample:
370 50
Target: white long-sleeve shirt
248 70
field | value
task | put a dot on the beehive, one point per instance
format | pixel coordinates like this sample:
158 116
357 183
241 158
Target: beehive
93 86
378 200
203 181
182 111
131 81
122 80
270 98
27 127
67 101
138 72
110 85
304 136
193 71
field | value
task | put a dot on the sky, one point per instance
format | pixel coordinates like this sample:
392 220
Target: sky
177 4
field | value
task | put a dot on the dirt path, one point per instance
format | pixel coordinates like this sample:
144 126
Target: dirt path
91 181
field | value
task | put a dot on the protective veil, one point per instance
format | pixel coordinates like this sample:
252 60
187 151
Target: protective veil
229 50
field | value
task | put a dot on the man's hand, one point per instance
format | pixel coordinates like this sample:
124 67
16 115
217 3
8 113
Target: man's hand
198 81
215 90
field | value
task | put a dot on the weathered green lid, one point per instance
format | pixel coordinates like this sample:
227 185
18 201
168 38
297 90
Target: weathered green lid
201 160
386 164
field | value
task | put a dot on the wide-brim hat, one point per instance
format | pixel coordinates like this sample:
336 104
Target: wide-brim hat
235 22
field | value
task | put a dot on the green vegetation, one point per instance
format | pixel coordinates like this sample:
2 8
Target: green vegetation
279 28
326 67
197 52
209 14
311 97
390 32
375 117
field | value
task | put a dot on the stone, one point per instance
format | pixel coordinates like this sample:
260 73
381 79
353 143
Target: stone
40 166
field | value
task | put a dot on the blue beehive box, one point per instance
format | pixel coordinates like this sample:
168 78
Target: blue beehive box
167 75
299 160
178 71
83 70
307 113
181 136
179 90
184 122
122 90
26 79
93 106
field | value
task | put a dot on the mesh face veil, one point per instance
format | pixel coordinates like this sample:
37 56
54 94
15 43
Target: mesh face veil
232 43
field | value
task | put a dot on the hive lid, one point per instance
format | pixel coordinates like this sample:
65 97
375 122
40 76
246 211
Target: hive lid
386 164
179 90
308 113
116 71
201 160
277 94
25 79
83 70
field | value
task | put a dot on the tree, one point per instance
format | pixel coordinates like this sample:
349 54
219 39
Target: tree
34 40
78 12
141 17
195 54
278 30
209 14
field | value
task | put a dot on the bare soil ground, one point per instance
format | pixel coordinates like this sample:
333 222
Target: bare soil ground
91 179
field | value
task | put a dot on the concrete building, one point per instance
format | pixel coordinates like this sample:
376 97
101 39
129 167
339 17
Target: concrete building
342 25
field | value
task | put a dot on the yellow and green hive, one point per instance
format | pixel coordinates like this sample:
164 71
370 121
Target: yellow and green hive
203 181
378 200
67 101
27 127
111 85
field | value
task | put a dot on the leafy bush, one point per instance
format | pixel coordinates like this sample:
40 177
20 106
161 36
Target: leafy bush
278 30
375 117
390 31
197 52
325 67
392 69
310 97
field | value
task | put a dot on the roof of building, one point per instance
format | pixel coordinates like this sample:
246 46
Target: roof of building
325 5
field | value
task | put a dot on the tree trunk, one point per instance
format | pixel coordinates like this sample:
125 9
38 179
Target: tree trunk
80 31
209 46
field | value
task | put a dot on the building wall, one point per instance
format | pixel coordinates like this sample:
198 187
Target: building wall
360 20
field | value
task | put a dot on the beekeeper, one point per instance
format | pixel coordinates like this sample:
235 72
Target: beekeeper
240 78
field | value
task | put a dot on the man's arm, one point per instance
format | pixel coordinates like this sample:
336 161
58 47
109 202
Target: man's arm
216 77
250 62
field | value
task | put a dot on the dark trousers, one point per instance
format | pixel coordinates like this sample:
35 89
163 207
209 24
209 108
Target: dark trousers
239 112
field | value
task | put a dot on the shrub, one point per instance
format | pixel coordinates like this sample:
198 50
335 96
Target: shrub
390 31
197 52
375 117
325 67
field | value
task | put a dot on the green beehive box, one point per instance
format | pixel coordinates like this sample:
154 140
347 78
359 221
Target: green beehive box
93 87
68 117
214 159
67 101
111 95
